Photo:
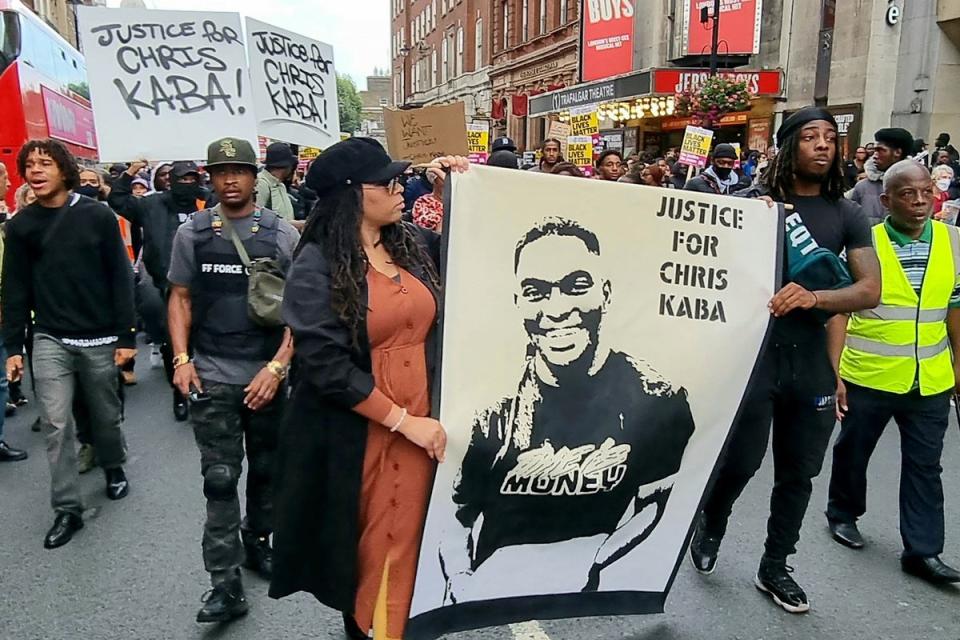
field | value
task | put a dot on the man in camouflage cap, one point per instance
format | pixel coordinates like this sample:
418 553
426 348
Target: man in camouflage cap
235 378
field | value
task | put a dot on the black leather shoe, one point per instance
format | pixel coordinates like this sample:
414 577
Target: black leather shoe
704 549
846 533
932 569
181 410
117 485
62 530
35 427
352 629
9 454
224 603
259 555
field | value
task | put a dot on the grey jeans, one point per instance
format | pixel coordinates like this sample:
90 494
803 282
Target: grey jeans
61 372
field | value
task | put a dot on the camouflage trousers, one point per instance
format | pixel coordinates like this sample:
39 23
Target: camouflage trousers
220 425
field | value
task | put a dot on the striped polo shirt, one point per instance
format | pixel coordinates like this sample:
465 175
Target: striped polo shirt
913 256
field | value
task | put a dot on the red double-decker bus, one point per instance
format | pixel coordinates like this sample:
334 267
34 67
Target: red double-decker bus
43 89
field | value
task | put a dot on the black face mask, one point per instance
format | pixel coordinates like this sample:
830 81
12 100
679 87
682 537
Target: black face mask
722 173
185 193
88 190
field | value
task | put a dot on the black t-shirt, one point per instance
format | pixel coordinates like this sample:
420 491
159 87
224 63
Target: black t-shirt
837 226
556 463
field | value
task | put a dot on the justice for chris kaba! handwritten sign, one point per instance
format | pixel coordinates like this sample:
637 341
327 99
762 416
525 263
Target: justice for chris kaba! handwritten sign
294 86
165 83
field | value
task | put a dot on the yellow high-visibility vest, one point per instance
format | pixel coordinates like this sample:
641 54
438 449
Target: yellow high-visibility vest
904 340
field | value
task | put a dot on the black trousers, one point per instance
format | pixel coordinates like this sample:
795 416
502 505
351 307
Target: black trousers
923 423
795 388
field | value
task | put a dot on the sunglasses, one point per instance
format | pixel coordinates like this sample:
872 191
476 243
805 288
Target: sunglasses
393 184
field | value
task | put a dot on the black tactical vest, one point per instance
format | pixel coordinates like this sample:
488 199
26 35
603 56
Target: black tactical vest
221 326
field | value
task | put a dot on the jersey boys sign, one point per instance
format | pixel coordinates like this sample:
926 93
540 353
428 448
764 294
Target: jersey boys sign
578 454
739 27
607 47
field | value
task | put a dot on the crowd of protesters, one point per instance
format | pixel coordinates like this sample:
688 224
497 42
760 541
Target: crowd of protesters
197 258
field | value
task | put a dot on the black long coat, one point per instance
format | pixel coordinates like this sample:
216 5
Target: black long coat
322 441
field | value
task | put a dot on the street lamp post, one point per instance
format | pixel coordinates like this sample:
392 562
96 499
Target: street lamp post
715 39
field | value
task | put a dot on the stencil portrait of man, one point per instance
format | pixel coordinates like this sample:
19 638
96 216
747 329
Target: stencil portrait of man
588 447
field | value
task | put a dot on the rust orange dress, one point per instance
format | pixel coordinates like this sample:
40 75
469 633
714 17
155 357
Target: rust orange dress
396 473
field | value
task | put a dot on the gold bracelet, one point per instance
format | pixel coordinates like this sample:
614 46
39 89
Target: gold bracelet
181 359
277 369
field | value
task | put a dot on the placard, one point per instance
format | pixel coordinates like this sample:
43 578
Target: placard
420 135
695 148
578 454
580 152
294 86
165 84
559 131
478 142
584 121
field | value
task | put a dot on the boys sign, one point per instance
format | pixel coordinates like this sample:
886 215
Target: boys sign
294 86
164 83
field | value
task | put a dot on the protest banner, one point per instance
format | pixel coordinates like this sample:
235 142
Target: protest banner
695 148
580 152
294 86
164 84
577 460
478 142
306 156
559 131
420 135
584 121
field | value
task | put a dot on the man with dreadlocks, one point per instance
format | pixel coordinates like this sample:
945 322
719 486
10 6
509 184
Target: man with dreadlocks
795 384
235 379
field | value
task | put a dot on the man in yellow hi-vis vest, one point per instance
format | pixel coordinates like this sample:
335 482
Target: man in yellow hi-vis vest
896 361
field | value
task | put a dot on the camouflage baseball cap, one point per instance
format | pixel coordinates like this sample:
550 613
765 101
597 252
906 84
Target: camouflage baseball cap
231 151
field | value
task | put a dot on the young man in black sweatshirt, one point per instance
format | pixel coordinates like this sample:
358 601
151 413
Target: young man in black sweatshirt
66 263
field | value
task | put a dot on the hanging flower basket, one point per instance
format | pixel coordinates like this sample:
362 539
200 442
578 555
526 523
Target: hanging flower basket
714 98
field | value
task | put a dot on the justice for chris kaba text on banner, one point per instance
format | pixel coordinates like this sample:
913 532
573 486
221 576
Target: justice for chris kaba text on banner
294 86
160 81
578 455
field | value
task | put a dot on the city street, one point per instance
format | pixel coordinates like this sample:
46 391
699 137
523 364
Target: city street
135 572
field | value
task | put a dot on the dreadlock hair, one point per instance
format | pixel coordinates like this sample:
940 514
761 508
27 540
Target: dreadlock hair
334 225
782 172
60 155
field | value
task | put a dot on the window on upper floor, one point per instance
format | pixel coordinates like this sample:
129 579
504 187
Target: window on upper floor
525 20
505 12
478 61
460 51
543 17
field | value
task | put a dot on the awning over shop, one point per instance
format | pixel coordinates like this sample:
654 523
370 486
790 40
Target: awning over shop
651 82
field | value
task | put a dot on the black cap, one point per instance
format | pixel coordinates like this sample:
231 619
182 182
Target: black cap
279 154
724 150
183 168
800 118
896 138
503 144
353 161
504 158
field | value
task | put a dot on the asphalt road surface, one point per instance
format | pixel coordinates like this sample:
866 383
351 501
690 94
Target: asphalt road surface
135 571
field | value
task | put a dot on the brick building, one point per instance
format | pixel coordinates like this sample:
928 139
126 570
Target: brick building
375 99
535 49
440 53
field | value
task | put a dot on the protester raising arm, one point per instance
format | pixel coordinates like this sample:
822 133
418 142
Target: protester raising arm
121 198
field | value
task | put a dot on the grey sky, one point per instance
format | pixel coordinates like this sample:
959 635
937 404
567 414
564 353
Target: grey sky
358 30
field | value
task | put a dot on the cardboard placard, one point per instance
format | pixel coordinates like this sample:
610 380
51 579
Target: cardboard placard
420 135
696 146
164 84
294 86
560 131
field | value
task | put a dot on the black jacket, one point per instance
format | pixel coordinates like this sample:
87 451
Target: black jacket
319 463
160 218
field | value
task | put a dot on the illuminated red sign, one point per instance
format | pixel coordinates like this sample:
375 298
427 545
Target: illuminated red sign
739 27
607 47
759 83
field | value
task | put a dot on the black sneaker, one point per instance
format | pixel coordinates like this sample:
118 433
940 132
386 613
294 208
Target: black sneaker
181 410
225 602
704 549
117 484
775 581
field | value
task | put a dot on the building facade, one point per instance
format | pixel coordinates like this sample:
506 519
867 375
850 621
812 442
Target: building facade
375 99
535 50
440 51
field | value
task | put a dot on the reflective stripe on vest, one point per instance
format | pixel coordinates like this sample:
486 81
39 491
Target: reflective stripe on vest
903 341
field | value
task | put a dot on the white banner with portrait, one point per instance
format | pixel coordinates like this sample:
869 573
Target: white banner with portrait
598 340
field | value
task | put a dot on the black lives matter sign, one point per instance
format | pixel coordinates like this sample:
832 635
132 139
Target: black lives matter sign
165 83
294 86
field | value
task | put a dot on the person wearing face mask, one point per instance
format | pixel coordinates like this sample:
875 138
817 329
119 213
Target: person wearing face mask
719 177
160 215
946 189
